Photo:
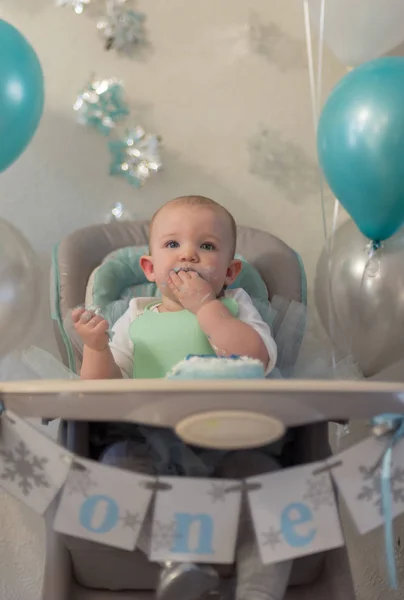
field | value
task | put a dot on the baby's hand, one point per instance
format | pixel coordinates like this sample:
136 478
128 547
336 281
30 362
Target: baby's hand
91 328
191 291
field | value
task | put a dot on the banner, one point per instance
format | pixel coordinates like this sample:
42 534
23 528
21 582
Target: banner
33 468
358 477
294 513
294 510
103 504
196 520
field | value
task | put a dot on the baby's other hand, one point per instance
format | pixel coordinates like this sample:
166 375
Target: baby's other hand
91 328
190 289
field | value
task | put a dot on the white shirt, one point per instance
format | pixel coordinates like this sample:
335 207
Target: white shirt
122 347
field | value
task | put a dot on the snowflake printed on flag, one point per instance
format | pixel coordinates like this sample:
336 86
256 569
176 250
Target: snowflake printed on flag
24 468
217 492
79 481
319 492
272 538
371 486
164 535
131 520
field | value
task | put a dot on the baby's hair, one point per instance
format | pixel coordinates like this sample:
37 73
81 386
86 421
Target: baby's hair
201 201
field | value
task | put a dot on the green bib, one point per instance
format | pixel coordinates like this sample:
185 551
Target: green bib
161 340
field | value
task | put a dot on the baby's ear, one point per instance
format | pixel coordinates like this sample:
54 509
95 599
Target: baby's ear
233 271
146 263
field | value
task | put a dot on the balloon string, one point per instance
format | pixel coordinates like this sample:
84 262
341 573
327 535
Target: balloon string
329 240
320 55
374 249
315 91
315 94
309 48
334 222
318 100
331 311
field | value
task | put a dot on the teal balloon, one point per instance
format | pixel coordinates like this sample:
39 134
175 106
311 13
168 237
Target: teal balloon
360 143
21 94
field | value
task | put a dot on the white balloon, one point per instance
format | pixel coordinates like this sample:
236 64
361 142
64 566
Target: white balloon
19 288
360 30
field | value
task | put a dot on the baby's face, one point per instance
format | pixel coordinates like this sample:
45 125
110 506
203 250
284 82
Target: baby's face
196 238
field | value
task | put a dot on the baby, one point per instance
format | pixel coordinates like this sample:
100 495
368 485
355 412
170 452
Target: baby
191 260
192 245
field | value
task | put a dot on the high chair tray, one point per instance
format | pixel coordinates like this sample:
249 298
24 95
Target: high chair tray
166 402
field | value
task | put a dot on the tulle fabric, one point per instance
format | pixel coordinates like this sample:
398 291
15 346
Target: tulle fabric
302 353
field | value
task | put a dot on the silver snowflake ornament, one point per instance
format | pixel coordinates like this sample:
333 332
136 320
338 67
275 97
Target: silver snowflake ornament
123 29
319 492
101 105
164 535
26 469
77 5
272 537
371 486
135 157
119 212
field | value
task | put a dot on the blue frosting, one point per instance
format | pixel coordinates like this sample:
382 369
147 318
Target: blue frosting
217 367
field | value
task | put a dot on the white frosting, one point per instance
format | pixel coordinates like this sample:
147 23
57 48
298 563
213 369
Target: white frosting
200 364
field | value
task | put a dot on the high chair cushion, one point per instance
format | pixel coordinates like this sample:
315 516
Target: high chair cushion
120 278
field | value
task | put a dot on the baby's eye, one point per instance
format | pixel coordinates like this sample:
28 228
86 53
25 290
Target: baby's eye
207 246
172 244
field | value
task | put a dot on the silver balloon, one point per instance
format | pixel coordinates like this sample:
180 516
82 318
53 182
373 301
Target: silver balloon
359 294
19 288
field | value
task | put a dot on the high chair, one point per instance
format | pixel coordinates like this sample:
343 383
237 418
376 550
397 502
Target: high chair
81 570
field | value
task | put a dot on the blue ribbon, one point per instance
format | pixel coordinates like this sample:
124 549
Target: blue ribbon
396 423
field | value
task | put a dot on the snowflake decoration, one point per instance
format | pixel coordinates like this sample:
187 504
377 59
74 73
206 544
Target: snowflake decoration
135 157
164 535
122 29
119 212
76 5
371 488
217 492
272 538
319 492
132 521
80 482
269 41
101 105
24 467
283 163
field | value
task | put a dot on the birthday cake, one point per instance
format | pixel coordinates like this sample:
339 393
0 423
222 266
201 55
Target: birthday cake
218 367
